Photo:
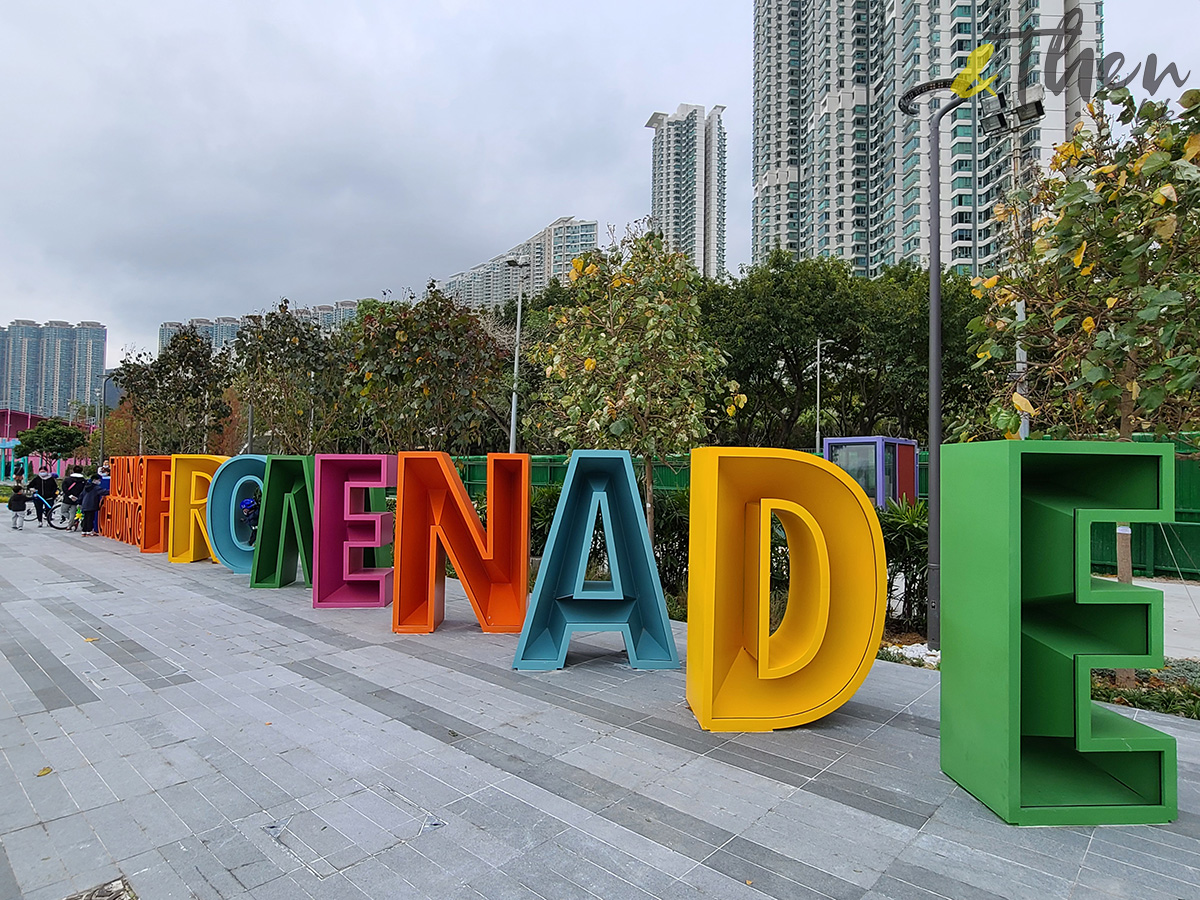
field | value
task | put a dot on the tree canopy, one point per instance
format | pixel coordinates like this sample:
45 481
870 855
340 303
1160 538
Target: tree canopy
1104 271
52 439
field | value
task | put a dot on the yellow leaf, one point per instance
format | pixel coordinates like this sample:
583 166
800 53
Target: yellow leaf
1191 148
1012 435
90 640
984 354
1112 301
46 771
1105 170
730 409
1164 193
591 270
1165 228
368 376
577 264
1078 257
1134 389
1087 270
1021 402
574 274
589 365
1088 324
992 282
1141 161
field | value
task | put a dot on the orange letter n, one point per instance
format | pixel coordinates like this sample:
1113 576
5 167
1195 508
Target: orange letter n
435 516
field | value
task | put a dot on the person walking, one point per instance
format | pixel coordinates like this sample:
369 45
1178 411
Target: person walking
44 489
90 502
72 490
16 505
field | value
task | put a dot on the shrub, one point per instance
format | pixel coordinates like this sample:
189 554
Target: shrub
905 528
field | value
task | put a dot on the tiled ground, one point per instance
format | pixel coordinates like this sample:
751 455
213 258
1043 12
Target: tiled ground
218 742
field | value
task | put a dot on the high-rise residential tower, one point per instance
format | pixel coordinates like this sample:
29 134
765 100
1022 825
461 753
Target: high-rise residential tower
549 254
687 184
54 369
839 171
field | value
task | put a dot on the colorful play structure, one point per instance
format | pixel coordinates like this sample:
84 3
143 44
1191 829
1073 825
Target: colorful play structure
1023 620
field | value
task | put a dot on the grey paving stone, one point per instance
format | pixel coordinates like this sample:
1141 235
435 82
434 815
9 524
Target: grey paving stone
593 781
8 880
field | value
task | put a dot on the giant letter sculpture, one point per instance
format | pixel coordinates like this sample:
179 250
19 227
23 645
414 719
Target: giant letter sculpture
1024 622
285 523
190 477
598 482
156 503
349 526
434 516
740 676
238 479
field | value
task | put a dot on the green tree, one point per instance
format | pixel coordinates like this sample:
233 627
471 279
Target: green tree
428 375
178 399
875 356
627 366
290 375
1102 287
1104 265
52 439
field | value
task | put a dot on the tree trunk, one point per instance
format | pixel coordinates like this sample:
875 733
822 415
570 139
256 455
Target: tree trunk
648 490
1125 677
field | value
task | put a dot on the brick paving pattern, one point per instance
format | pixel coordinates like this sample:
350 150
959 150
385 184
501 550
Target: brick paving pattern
219 742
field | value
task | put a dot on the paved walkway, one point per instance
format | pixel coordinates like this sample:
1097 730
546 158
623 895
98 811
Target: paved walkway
211 741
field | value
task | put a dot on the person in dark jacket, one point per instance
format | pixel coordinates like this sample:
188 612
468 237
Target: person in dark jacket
72 490
93 496
16 505
43 489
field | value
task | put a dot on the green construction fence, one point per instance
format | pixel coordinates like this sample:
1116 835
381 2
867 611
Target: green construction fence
1171 550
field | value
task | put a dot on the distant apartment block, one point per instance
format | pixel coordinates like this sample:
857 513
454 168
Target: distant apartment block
51 369
549 253
839 171
687 184
222 331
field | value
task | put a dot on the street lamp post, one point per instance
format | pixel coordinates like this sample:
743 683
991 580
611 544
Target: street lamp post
908 107
101 408
820 341
521 263
1027 112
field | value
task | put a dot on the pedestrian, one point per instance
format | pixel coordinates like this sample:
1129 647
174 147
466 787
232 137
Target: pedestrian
90 502
44 489
16 505
72 490
105 477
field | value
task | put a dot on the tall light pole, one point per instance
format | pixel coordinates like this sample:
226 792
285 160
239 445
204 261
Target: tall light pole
1027 112
908 107
820 341
101 408
522 265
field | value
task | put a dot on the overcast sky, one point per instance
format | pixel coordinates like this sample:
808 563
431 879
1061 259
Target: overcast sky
164 160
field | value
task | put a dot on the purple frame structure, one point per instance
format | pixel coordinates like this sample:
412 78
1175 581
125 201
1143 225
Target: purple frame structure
344 530
880 442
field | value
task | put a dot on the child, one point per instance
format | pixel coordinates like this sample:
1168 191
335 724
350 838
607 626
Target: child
16 505
72 490
93 494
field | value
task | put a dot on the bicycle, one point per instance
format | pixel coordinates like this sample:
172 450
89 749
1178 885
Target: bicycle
53 511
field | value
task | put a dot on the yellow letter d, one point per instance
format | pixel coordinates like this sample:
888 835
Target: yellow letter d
741 676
